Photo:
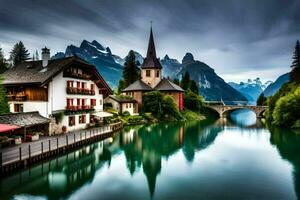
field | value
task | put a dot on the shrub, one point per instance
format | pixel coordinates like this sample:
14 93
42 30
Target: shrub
58 117
135 119
126 113
160 106
193 101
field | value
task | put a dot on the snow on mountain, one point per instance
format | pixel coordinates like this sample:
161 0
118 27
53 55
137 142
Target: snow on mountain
251 89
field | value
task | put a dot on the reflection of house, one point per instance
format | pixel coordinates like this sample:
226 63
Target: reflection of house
68 85
151 79
123 103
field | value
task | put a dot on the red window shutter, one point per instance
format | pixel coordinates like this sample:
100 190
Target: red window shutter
78 84
83 102
92 87
68 102
68 83
82 85
78 102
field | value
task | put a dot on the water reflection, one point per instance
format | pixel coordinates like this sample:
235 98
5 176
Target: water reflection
225 149
288 145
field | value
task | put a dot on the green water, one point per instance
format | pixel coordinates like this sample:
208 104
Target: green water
235 158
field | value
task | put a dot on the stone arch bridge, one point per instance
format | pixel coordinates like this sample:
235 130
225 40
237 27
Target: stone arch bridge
223 110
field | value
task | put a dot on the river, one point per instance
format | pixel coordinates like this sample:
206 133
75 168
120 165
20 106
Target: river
235 158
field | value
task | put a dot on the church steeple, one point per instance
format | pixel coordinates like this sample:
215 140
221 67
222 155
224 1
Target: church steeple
151 60
151 46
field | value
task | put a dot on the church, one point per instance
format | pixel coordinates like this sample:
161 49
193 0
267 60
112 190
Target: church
152 80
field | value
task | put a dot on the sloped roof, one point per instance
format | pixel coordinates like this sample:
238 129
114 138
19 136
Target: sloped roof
23 119
33 72
167 85
122 98
138 85
151 61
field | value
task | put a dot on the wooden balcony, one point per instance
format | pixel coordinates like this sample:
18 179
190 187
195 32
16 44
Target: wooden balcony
73 90
18 97
77 75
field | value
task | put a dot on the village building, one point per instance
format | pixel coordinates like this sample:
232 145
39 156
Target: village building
68 91
123 103
151 80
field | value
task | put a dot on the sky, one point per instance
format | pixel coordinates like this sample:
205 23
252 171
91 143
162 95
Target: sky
240 39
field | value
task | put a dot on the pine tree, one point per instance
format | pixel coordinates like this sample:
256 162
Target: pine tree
3 63
295 73
4 108
37 56
185 81
131 72
194 87
176 81
121 86
19 53
33 57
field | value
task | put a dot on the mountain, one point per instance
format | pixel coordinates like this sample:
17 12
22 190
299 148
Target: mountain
251 89
212 87
274 87
171 67
110 66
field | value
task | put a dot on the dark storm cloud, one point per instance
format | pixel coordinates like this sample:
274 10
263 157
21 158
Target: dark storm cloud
231 35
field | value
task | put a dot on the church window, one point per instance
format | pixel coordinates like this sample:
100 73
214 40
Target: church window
148 73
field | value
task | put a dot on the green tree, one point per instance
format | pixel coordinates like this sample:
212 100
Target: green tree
262 100
295 73
37 57
193 101
286 111
194 87
131 72
3 63
4 108
19 53
176 81
162 107
121 86
185 81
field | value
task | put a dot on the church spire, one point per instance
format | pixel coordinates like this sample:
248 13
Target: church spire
151 53
151 60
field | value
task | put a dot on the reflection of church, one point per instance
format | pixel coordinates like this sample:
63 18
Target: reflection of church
146 149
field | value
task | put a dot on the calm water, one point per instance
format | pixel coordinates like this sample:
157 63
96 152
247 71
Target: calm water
224 159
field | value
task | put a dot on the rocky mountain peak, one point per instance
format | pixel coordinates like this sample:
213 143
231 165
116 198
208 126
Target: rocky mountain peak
188 58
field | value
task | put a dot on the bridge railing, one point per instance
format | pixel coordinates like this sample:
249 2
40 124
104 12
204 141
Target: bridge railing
227 103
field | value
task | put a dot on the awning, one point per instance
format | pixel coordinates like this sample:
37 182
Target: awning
7 127
103 114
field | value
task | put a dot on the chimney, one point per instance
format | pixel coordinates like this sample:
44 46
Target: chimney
45 56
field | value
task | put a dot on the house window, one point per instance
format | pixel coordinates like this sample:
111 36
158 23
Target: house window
72 121
157 73
82 119
101 102
69 103
78 84
70 84
83 85
92 119
18 107
92 87
93 102
148 72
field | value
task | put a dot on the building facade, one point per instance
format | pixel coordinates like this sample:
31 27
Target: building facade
151 79
69 90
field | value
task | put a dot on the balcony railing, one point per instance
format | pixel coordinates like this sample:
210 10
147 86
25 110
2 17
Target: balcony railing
14 97
77 75
73 90
79 109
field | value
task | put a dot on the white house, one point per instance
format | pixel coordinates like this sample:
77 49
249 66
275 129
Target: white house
67 87
123 103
